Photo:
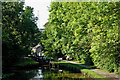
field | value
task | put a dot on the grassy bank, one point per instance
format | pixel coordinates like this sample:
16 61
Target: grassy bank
119 70
26 62
82 69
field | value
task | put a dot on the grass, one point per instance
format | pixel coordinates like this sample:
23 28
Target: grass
26 61
77 61
119 71
82 69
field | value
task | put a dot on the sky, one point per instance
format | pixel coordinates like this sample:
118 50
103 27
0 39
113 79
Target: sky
40 10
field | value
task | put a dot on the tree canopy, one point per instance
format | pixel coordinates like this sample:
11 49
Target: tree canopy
86 31
19 31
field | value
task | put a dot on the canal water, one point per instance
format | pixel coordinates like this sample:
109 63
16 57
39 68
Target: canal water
44 73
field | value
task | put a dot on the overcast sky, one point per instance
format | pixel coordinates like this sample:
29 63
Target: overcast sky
40 10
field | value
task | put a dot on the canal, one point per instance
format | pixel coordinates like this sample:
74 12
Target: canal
45 73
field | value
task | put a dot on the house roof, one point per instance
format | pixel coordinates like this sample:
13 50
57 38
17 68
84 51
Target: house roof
36 46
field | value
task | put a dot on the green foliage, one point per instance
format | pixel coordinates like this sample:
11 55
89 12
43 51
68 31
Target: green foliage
19 31
88 34
105 40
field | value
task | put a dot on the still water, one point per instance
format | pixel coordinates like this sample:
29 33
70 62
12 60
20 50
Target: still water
44 73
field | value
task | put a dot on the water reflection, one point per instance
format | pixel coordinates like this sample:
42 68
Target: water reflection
39 75
43 73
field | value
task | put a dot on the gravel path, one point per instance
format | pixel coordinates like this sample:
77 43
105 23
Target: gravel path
108 75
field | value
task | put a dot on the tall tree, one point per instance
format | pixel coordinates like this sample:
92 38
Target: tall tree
20 32
88 34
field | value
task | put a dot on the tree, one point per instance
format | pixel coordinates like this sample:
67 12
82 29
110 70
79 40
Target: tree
88 34
20 32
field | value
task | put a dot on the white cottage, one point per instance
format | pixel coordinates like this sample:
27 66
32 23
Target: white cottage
37 49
